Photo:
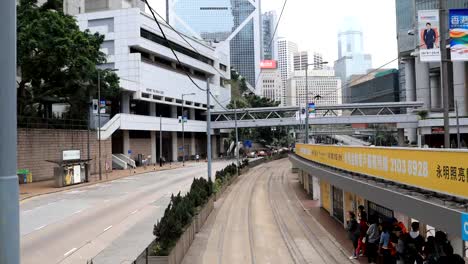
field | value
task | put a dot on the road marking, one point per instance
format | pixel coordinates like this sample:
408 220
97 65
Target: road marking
106 201
69 252
39 228
109 227
134 212
77 212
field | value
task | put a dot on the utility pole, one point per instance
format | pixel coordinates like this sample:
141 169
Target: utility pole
160 141
183 128
208 126
9 193
306 140
237 136
99 123
444 69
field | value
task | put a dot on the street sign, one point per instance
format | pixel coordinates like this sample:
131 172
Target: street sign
248 143
464 222
129 152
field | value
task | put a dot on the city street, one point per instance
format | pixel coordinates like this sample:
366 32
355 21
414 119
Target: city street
260 220
76 225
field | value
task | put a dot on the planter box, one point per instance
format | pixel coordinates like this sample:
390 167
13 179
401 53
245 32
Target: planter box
183 244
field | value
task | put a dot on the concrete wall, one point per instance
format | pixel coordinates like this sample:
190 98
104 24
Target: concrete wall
140 146
35 146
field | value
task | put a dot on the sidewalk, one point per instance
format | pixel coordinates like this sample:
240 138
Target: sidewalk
45 187
332 226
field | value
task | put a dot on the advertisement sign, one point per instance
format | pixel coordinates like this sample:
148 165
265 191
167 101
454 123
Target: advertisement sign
268 64
102 106
431 169
458 26
428 25
76 174
311 110
71 155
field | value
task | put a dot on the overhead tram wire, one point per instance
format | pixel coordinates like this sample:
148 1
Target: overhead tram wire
194 49
272 38
170 47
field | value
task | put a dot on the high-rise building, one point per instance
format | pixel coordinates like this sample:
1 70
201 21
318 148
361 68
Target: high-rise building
301 59
286 50
270 80
234 23
324 86
420 81
269 37
352 59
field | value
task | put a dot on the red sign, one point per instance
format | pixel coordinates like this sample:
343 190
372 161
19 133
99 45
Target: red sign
268 64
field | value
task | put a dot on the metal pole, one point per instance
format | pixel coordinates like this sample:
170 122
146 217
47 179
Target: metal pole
9 194
88 147
458 125
99 124
237 136
444 70
208 126
306 140
183 134
160 141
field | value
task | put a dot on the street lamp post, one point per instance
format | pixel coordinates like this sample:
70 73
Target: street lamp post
306 140
183 128
99 119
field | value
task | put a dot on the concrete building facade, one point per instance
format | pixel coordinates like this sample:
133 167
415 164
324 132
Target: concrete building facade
270 80
323 85
301 60
153 83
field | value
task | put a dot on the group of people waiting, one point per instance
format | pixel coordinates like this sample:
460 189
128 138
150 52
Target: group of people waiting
388 241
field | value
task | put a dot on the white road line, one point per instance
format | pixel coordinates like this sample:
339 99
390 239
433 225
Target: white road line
39 228
134 212
69 252
107 228
27 211
77 212
106 201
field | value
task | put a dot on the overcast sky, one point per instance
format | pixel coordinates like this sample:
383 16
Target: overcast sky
314 24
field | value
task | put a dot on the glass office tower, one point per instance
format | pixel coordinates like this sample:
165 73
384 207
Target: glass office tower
236 23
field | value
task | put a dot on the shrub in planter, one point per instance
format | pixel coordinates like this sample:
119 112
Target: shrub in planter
178 214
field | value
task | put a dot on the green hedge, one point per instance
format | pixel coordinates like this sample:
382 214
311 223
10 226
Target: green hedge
179 214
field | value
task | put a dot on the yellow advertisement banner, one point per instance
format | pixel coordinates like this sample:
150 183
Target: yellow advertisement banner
444 171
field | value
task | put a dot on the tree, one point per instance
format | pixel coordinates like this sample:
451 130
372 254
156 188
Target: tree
57 62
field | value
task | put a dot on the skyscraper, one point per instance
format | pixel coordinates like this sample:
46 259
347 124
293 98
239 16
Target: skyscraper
269 37
235 23
351 57
301 59
286 50
318 60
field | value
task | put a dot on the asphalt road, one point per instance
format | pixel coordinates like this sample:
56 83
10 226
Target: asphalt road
75 226
260 220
